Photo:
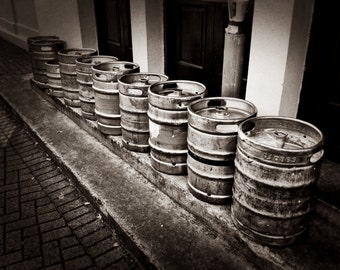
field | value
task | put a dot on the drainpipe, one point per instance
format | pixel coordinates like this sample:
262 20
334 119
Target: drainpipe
234 43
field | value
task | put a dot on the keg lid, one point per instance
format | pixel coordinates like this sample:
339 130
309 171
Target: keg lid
84 64
175 94
219 115
95 59
69 56
137 84
112 71
281 140
221 109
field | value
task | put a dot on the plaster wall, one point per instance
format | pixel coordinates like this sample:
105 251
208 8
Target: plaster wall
147 29
18 21
60 18
279 41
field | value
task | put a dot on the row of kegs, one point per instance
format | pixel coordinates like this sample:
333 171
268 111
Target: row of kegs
265 166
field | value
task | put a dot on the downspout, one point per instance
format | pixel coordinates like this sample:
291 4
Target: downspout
234 44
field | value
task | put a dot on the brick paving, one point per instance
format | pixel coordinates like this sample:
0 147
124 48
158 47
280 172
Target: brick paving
45 221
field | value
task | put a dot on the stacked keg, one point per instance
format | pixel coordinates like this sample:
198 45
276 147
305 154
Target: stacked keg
133 103
84 78
67 62
168 123
212 136
106 93
43 49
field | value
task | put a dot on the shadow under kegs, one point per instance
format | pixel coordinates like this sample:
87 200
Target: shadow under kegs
85 81
133 103
42 50
53 78
67 62
212 136
105 86
168 123
277 165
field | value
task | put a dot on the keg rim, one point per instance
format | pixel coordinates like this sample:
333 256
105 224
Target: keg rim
65 52
82 60
177 81
100 67
267 153
160 75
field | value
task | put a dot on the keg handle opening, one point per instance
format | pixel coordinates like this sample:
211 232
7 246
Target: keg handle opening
129 66
46 48
135 91
170 85
248 128
316 156
217 103
100 76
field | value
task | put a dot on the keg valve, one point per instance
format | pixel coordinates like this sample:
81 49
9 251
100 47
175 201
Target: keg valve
280 138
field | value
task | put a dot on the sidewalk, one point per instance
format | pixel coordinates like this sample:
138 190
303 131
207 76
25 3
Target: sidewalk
157 218
45 221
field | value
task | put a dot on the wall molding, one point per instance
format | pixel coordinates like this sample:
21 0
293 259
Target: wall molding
16 33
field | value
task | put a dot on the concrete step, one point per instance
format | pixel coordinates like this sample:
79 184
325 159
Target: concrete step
171 228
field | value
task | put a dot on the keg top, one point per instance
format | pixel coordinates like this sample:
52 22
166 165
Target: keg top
219 115
142 79
69 56
77 52
233 109
116 67
137 84
281 141
281 132
95 59
175 95
178 89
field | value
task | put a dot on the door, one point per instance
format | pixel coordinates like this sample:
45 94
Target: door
114 28
195 41
320 94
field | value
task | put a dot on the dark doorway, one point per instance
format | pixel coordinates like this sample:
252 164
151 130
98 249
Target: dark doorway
114 28
194 31
320 95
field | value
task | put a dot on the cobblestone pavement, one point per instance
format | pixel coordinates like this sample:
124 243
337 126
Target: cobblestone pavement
45 222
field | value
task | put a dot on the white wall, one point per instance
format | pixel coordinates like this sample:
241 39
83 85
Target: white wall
71 20
279 42
147 29
18 21
60 18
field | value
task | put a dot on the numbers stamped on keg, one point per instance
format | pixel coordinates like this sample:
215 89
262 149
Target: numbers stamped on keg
278 158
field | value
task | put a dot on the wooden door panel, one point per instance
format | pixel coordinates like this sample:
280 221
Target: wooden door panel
192 36
114 29
195 39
